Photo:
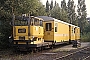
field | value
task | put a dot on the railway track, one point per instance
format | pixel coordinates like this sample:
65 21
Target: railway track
82 54
75 54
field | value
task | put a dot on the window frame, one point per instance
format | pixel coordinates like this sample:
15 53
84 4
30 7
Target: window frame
48 26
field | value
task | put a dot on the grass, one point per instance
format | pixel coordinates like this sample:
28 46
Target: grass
85 37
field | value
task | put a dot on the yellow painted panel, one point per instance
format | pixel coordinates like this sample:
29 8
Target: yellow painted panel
77 33
36 31
71 33
62 33
21 27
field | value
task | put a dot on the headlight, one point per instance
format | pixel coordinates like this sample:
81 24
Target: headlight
32 36
9 37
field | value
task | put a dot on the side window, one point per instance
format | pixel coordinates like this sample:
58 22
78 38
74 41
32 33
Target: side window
56 25
74 30
48 26
36 21
41 23
32 21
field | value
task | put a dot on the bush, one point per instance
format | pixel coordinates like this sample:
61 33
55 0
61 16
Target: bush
5 29
3 41
85 37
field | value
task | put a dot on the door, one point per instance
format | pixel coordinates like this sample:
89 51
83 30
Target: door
48 32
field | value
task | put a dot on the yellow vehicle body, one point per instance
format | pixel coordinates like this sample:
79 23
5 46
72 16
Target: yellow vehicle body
59 31
77 33
71 32
29 34
42 30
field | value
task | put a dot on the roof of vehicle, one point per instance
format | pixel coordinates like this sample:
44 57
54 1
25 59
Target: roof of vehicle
46 18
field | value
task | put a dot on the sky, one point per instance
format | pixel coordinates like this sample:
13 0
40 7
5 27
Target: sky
75 1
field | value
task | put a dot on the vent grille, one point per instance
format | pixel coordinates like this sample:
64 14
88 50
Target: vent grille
21 37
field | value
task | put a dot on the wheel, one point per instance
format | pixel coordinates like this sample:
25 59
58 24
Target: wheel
74 43
51 47
79 43
70 42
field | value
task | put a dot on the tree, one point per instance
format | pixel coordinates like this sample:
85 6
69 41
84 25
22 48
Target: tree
41 10
5 28
64 15
87 28
82 14
23 6
55 3
71 12
74 15
51 6
58 13
47 6
63 5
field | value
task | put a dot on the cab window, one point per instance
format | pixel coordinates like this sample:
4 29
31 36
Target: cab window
32 21
36 22
74 30
41 23
48 26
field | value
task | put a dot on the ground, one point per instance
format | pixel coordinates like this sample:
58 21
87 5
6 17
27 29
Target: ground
8 54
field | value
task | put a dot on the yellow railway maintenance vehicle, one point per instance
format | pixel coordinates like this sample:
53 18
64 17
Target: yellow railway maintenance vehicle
42 31
57 31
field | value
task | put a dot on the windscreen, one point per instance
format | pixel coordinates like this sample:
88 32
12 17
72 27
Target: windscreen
21 22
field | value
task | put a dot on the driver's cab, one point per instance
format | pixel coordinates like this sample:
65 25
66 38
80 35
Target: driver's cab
27 30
